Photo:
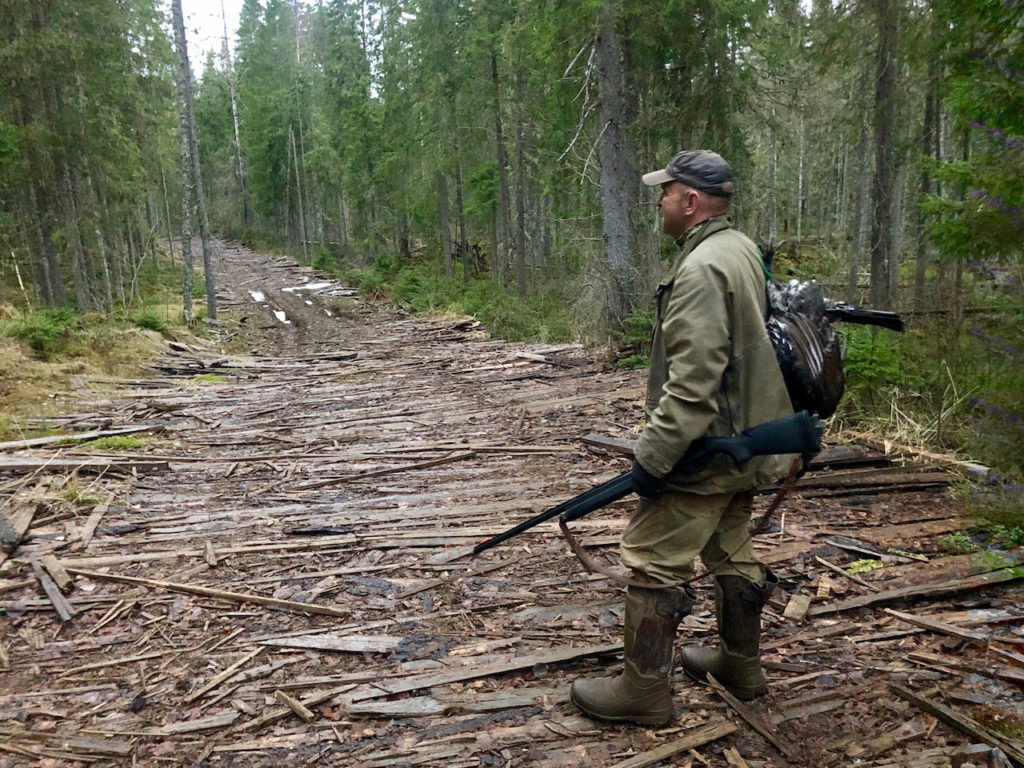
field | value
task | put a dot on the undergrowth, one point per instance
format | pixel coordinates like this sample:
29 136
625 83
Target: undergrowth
48 355
541 316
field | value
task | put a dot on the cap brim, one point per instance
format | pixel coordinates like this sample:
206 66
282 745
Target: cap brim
656 178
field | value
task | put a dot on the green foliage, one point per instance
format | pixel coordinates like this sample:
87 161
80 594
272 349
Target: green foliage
324 260
210 378
865 565
116 443
424 287
45 331
150 320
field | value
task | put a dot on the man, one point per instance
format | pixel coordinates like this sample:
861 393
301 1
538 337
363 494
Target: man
713 372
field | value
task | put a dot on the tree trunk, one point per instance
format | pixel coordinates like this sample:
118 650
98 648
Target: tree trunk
460 212
883 186
167 209
928 146
49 271
298 194
617 177
520 185
773 162
442 212
505 233
236 139
800 192
189 127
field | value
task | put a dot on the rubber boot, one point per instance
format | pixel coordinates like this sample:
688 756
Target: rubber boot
737 664
643 692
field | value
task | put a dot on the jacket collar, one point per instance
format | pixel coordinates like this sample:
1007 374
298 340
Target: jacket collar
698 233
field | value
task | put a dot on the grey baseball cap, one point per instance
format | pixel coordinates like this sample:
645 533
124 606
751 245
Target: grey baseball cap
698 168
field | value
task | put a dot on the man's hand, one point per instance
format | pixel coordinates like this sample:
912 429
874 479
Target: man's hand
644 483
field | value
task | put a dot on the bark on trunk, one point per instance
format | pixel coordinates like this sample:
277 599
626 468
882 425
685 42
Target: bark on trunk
883 187
505 232
520 186
442 213
617 177
189 128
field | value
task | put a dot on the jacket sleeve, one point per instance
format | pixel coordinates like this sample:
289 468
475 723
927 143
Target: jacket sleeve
695 326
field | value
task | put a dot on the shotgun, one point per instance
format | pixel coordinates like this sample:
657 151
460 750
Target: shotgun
797 433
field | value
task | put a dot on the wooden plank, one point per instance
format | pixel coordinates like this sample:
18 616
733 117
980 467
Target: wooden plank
227 673
340 643
952 587
56 571
13 527
703 735
755 720
72 437
836 569
295 706
99 746
238 597
94 520
415 706
452 457
797 607
938 626
279 713
960 722
211 723
113 662
64 466
60 603
473 672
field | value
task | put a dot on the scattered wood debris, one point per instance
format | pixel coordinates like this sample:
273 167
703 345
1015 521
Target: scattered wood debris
281 574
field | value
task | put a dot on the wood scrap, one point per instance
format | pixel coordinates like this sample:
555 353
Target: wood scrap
846 575
238 597
340 643
210 723
14 526
72 437
755 720
699 737
954 586
56 570
960 722
64 609
92 523
103 466
448 459
937 626
295 706
223 676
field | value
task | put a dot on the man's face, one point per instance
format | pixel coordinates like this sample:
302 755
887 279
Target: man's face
676 207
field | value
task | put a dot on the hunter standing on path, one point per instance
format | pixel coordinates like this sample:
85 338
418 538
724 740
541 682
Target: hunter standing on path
713 372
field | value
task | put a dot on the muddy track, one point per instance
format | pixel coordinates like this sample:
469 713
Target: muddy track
295 588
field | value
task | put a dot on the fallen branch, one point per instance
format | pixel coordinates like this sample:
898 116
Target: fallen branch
390 471
238 597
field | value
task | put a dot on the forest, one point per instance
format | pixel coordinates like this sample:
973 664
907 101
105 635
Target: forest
485 158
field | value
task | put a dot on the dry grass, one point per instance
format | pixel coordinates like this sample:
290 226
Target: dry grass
32 389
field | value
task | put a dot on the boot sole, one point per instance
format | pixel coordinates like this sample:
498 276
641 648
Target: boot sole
639 720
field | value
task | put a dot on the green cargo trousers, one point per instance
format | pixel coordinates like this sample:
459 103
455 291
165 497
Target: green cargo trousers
667 533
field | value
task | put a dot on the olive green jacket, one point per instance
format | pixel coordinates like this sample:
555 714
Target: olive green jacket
713 370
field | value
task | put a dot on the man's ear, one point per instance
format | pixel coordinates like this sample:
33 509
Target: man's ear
692 201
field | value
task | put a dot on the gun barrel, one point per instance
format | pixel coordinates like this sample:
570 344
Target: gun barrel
576 507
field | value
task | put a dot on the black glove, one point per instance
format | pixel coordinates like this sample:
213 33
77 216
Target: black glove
644 483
